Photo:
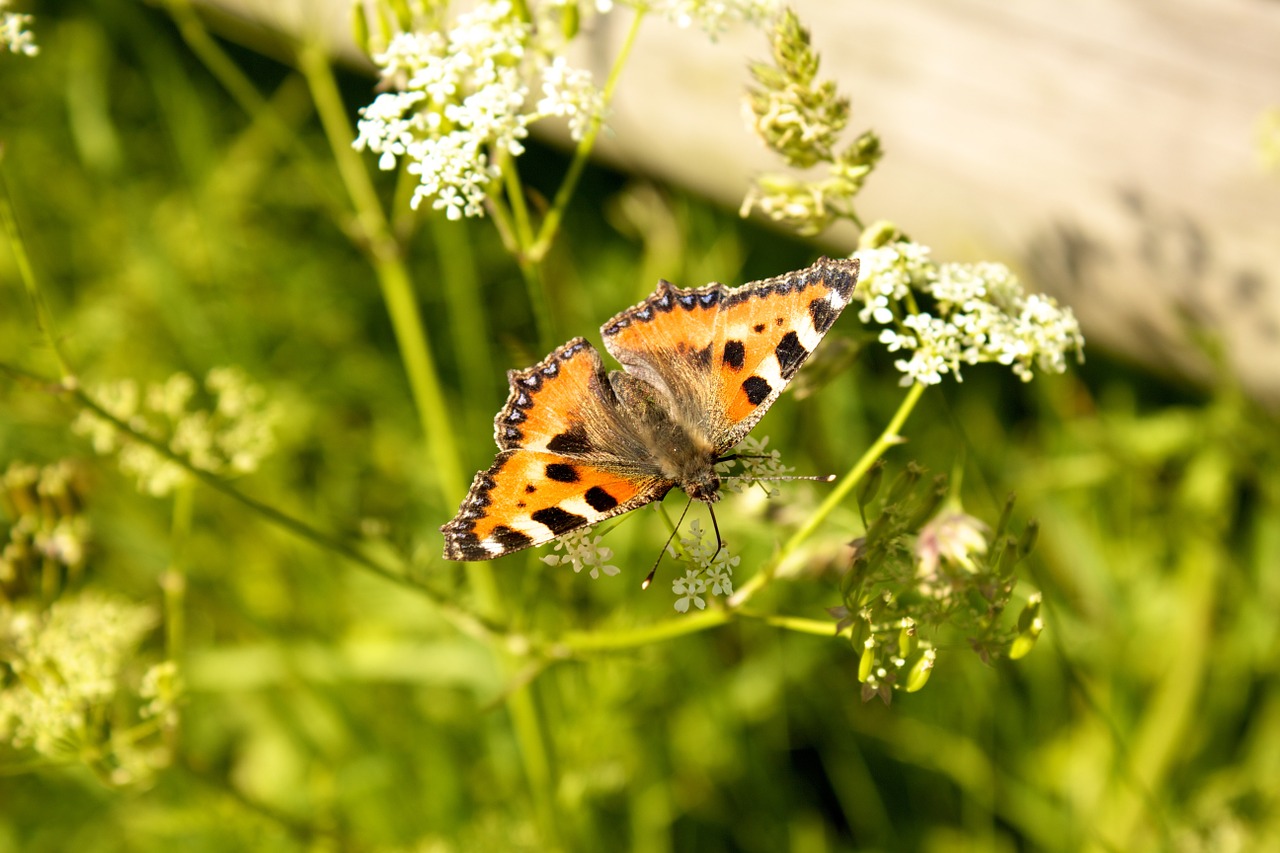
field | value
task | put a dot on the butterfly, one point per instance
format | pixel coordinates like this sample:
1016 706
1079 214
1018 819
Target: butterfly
700 368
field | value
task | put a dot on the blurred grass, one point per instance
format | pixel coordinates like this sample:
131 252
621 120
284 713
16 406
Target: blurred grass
331 709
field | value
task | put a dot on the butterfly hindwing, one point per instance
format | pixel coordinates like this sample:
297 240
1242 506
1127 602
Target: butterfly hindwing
567 460
529 497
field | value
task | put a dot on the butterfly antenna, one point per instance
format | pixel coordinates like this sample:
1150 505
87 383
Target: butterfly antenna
648 579
821 478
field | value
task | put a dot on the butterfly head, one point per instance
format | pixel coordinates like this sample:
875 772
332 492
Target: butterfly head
703 486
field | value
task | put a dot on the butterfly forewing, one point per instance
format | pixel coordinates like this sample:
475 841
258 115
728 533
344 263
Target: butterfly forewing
764 332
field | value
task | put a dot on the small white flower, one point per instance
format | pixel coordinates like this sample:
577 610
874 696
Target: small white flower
951 540
581 551
689 589
712 570
571 93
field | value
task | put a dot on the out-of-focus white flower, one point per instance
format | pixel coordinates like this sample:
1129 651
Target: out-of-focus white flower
230 439
14 33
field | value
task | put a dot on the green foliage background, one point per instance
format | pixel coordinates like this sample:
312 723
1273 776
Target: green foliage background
329 708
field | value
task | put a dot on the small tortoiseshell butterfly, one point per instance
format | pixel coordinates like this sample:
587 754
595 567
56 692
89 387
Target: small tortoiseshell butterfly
700 368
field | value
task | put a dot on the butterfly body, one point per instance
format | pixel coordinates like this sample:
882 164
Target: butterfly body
700 368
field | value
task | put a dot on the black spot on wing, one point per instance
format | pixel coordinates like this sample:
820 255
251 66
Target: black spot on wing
758 328
600 500
530 488
573 440
757 389
791 353
734 355
822 314
557 520
510 540
562 473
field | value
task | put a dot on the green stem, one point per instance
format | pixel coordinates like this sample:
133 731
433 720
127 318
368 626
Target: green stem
530 268
246 94
465 622
467 310
551 223
889 436
44 318
576 642
384 252
174 585
818 627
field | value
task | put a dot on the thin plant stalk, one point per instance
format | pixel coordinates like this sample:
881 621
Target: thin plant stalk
551 222
386 256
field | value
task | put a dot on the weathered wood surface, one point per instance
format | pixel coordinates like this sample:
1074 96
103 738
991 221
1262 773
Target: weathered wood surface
1106 149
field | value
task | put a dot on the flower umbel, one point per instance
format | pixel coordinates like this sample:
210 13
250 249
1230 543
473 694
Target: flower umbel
975 313
920 571
582 550
68 668
231 438
710 572
48 534
755 463
716 16
461 100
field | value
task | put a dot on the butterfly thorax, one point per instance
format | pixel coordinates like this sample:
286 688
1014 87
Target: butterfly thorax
679 450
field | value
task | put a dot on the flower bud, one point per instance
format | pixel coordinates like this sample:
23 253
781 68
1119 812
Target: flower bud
918 677
570 21
1028 541
870 485
907 637
868 659
1003 523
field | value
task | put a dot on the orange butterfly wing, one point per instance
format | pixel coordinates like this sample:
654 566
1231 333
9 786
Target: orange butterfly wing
567 461
571 455
723 355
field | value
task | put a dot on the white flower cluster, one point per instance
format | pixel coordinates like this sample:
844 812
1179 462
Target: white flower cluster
231 439
582 550
69 664
978 313
44 506
712 572
714 17
756 463
14 33
462 101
